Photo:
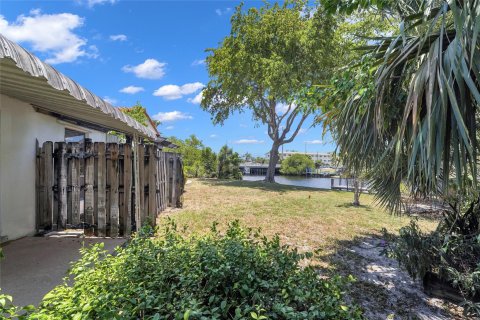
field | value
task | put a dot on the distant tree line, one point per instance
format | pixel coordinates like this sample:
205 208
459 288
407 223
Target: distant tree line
200 161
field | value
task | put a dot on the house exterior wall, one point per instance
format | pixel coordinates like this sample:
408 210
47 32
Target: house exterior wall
20 126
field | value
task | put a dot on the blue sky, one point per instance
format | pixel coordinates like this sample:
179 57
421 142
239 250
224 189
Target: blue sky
147 51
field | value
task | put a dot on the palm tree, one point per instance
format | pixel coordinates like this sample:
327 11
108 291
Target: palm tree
414 118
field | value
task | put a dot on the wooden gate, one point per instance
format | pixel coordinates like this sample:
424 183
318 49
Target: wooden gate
93 186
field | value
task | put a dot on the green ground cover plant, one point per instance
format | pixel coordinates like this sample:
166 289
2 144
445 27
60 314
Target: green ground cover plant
238 274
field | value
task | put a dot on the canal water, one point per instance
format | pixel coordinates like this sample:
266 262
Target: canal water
319 183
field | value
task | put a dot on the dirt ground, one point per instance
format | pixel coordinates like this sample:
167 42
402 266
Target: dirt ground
383 289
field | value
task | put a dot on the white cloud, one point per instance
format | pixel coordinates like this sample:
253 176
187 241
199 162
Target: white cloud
221 12
197 99
314 142
248 141
92 3
302 131
198 62
213 136
51 34
170 128
118 37
112 101
173 92
282 108
171 116
132 89
150 69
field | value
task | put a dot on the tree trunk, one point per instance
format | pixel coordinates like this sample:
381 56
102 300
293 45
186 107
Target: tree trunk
272 163
356 192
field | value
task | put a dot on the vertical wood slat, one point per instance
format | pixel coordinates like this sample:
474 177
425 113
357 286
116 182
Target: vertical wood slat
112 169
56 194
121 188
48 218
108 164
152 186
146 181
44 186
136 179
141 186
127 189
165 179
159 182
170 179
38 187
62 185
174 181
88 187
73 181
101 189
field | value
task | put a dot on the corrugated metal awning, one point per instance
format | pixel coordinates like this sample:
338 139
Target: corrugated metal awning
25 77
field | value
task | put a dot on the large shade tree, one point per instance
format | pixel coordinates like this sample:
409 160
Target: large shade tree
270 56
408 110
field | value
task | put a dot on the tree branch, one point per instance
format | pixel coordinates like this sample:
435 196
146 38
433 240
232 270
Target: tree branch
304 117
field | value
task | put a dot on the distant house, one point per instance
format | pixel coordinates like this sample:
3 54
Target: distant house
38 104
325 157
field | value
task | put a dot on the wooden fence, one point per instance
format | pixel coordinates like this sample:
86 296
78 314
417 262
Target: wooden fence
93 186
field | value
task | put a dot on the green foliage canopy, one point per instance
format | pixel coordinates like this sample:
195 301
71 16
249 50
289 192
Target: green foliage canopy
228 164
296 164
264 65
409 109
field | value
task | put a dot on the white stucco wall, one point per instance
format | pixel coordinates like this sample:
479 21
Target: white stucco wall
20 126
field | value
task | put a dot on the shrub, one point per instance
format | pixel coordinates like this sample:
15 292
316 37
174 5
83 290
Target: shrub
451 252
238 275
296 164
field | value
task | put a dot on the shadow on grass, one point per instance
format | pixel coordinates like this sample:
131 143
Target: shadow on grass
350 205
261 185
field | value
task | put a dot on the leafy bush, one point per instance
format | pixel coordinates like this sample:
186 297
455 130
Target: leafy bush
296 164
238 275
451 252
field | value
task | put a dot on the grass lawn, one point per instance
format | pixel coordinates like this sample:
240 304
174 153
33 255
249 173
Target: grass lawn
305 218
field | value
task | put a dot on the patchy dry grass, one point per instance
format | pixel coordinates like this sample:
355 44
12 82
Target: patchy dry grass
305 218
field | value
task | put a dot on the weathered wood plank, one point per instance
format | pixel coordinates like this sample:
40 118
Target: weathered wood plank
48 218
145 181
101 189
88 186
112 168
174 181
152 186
127 189
56 195
141 188
39 187
74 184
136 179
62 185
